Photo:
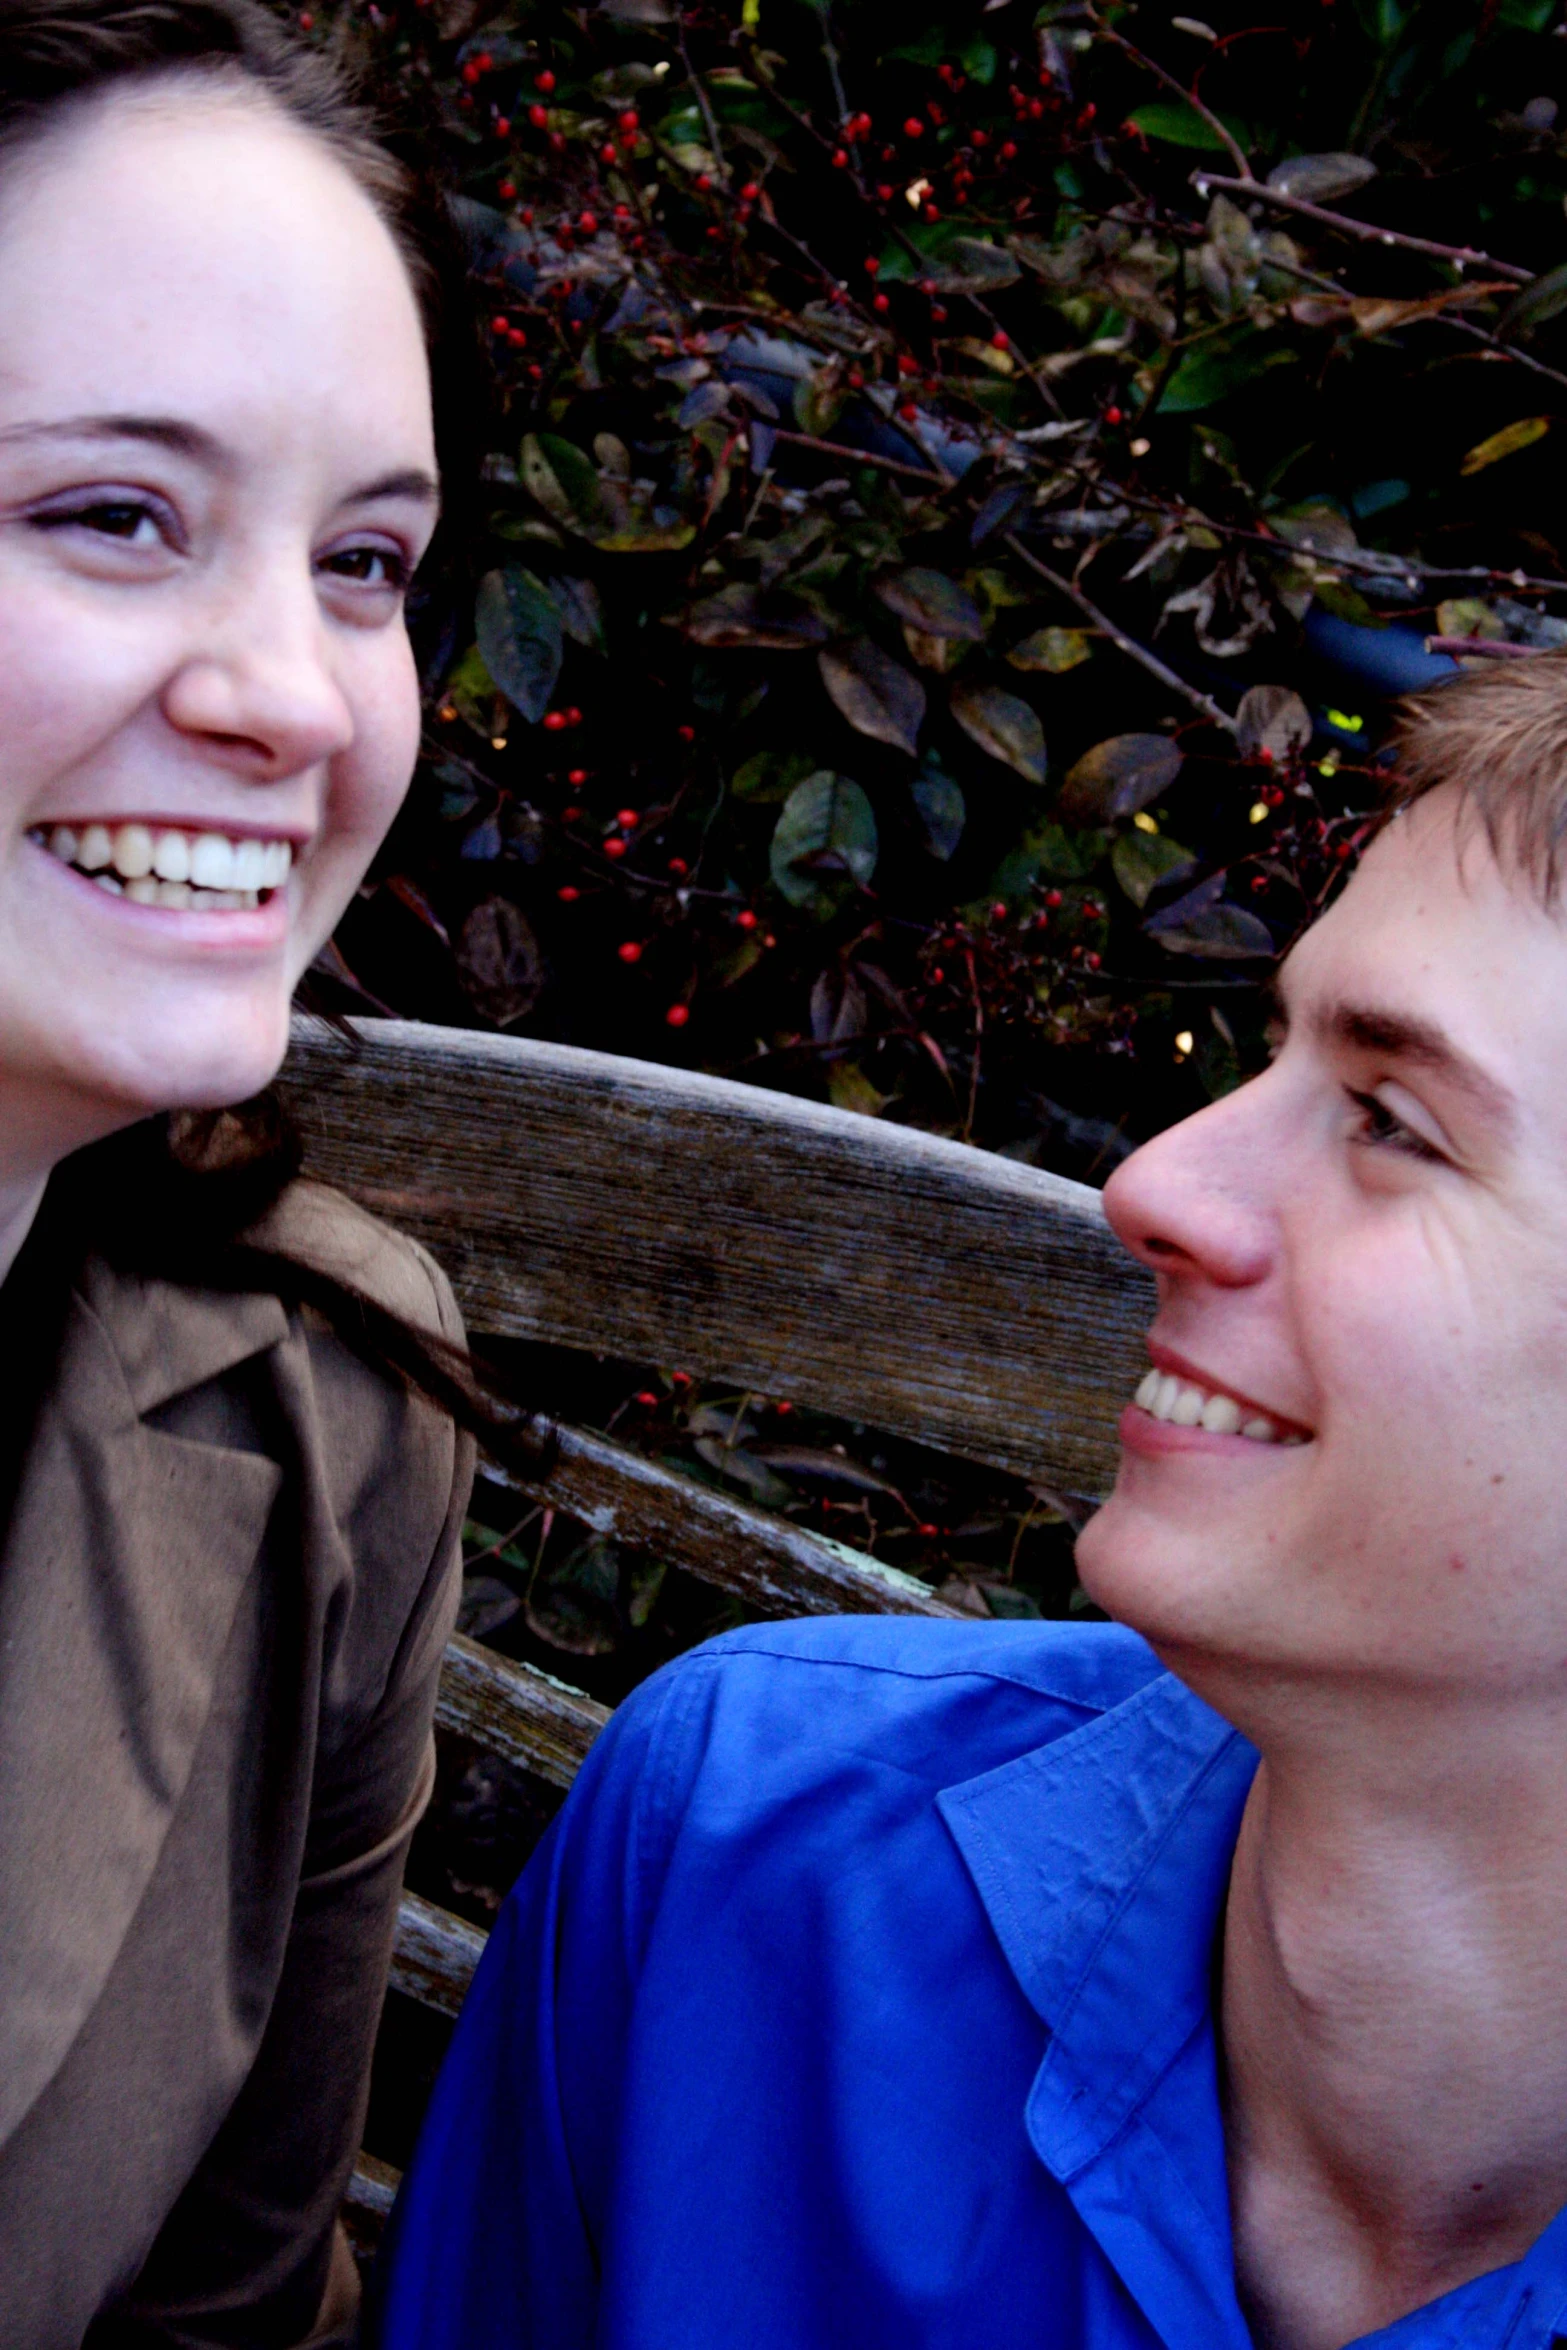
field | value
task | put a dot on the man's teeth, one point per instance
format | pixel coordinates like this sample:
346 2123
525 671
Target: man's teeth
1185 1405
208 872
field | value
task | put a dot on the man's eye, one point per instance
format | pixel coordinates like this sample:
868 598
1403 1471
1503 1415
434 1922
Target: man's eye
377 567
1380 1127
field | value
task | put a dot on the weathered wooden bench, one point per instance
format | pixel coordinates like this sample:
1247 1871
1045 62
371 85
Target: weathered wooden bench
864 1269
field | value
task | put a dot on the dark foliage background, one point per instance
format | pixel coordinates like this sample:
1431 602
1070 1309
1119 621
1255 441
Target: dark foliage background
962 486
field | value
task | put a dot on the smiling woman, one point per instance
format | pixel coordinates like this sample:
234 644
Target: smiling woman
229 1511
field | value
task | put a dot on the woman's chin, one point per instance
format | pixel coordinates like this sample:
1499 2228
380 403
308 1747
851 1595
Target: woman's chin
207 1065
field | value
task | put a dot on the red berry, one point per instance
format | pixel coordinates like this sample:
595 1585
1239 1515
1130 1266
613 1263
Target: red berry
630 122
647 1399
982 138
938 314
630 950
677 1015
470 72
484 61
914 128
998 912
703 182
687 734
544 81
840 160
574 716
679 868
506 190
937 975
554 720
746 919
872 265
577 778
1091 960
527 217
628 817
681 1379
1000 340
908 411
609 153
503 126
306 21
571 815
928 1530
881 302
538 116
856 380
886 194
499 325
588 223
907 364
615 847
1052 899
1008 151
569 895
517 339
768 939
1112 415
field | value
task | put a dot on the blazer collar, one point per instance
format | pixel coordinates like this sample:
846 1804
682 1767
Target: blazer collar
120 1574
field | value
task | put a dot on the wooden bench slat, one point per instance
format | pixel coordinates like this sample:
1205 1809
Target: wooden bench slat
434 1955
871 1270
778 1567
372 2188
525 1716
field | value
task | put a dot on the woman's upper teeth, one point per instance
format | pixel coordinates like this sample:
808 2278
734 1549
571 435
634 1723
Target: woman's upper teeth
1182 1401
204 860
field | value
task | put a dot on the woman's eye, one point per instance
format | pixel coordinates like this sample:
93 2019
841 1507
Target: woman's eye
376 567
1380 1127
126 519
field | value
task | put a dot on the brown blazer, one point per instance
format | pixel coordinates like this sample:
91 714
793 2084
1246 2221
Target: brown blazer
229 1575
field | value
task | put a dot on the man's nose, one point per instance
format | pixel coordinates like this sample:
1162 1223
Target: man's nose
256 684
1199 1202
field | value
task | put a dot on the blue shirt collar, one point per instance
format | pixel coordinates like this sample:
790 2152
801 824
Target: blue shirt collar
1102 1861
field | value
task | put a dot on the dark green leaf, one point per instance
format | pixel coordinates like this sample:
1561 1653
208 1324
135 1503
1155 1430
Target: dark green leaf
770 775
1004 726
825 844
518 622
1143 861
1271 718
581 612
1214 371
1052 649
930 602
1319 178
770 619
1203 923
1183 126
938 802
970 265
499 960
1118 776
876 694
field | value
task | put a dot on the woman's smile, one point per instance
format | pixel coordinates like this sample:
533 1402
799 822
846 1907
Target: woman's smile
182 868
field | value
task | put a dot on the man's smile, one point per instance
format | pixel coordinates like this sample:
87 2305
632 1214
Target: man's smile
1176 1392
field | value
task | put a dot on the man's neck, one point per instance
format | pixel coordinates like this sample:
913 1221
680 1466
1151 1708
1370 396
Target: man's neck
1394 2011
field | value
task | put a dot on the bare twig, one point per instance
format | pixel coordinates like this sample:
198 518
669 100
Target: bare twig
709 119
1186 96
1484 648
1461 256
1466 326
808 440
1119 638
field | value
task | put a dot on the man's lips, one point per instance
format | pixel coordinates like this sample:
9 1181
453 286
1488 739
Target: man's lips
1182 1367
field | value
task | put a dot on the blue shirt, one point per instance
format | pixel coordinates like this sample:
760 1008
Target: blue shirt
862 1994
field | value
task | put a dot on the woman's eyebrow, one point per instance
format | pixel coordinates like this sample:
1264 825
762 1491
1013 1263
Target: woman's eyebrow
184 439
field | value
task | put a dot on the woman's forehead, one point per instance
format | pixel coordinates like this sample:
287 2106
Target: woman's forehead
189 247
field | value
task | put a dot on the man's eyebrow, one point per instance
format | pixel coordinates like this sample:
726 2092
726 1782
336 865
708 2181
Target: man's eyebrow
204 448
1405 1036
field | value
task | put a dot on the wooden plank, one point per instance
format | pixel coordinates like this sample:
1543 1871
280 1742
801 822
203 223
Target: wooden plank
367 2205
434 1955
779 1568
513 1710
876 1272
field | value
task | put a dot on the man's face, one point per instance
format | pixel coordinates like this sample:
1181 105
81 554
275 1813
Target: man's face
1366 1247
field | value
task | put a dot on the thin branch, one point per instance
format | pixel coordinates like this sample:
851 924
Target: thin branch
1511 351
709 119
1187 97
1461 256
809 440
1119 638
1485 648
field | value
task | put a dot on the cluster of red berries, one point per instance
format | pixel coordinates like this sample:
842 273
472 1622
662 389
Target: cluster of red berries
555 720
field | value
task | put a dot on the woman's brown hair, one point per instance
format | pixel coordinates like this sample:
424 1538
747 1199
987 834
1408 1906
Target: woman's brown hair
178 1196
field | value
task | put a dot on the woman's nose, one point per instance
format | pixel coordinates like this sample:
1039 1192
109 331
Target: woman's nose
257 685
1198 1203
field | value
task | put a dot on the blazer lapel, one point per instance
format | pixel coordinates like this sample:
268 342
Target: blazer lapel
120 1574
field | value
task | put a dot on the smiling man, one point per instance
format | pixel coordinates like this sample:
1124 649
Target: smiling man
1195 1980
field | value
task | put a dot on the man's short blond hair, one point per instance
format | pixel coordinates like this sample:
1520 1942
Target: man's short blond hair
1499 733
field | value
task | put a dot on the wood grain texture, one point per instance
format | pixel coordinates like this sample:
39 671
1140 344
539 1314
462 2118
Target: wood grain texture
779 1568
873 1271
367 2206
513 1710
434 1955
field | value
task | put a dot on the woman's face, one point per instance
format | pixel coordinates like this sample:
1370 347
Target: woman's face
217 472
